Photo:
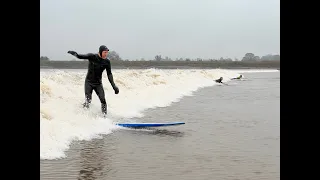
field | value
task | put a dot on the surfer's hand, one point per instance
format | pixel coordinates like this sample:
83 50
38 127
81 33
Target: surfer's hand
116 90
72 53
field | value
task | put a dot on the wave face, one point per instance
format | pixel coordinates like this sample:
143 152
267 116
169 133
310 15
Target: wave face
62 119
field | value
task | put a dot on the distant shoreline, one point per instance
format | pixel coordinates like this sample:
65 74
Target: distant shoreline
166 64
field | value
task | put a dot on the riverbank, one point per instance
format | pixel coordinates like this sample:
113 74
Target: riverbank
166 64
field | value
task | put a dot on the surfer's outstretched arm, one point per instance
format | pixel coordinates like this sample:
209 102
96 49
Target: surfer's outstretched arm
82 56
85 56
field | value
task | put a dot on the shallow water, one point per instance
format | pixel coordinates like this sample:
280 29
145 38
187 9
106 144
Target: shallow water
231 132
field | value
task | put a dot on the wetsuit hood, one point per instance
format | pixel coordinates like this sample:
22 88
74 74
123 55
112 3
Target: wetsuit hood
102 48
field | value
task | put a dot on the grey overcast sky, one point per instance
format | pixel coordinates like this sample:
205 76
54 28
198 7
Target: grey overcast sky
175 28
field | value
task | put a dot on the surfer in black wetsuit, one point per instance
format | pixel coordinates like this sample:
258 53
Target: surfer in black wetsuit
219 80
97 64
239 77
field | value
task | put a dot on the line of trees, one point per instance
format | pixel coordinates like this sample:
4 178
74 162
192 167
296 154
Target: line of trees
252 57
247 57
114 56
44 58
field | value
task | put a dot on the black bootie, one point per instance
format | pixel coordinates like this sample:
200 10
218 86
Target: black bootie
104 108
86 104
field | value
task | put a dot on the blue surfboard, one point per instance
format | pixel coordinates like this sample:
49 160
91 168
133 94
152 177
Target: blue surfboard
148 125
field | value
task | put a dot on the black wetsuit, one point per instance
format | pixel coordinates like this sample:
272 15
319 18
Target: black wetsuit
93 81
219 80
236 78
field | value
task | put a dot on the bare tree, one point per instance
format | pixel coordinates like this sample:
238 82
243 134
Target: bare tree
114 56
158 58
248 57
44 58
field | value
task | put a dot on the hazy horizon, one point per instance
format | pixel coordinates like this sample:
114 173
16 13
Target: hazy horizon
177 29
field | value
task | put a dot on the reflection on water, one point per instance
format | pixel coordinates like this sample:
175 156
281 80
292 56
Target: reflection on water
157 132
92 161
96 155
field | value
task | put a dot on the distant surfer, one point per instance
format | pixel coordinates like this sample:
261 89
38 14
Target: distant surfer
97 64
239 77
219 80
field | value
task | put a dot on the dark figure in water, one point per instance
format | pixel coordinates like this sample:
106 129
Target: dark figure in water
219 80
97 64
239 77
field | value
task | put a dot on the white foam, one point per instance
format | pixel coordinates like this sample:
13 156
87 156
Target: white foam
62 92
